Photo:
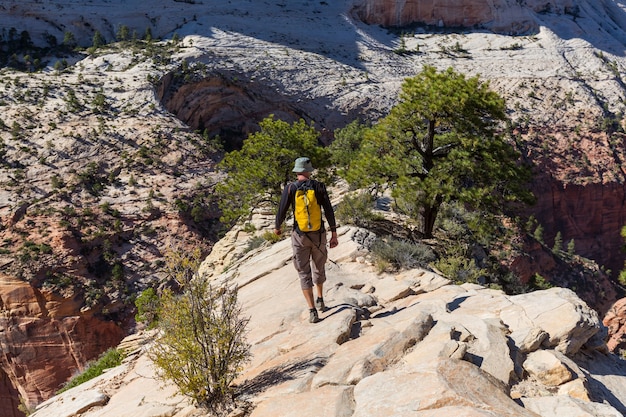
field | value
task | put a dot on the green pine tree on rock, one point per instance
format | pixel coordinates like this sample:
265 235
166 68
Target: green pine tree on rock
441 143
258 172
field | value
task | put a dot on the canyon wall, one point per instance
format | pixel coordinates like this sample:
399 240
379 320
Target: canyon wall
45 339
500 16
592 215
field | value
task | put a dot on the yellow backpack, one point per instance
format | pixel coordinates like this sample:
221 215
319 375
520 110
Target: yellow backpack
307 210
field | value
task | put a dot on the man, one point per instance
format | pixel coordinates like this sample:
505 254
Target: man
309 248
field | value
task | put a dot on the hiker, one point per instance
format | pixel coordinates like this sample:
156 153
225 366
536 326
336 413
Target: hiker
306 197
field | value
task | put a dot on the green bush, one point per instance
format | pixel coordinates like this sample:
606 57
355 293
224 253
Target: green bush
271 237
401 254
147 307
109 359
258 241
540 283
460 269
202 344
249 227
357 210
255 242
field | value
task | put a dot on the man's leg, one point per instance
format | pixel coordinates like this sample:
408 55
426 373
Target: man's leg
302 263
318 258
320 290
308 295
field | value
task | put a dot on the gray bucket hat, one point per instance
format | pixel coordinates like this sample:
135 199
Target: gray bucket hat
303 164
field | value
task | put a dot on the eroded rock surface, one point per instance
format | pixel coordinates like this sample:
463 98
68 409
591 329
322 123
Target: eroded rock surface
443 351
503 16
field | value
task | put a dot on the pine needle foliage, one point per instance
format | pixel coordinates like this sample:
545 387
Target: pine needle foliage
402 254
441 143
202 345
258 172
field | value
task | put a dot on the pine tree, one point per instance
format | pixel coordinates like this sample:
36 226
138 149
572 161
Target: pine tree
98 40
69 40
123 33
558 243
538 233
441 143
258 172
571 247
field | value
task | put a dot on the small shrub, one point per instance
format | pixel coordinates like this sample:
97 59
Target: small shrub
538 233
357 210
147 307
57 182
460 269
202 344
571 247
23 407
558 244
271 237
109 359
249 228
540 283
255 242
402 254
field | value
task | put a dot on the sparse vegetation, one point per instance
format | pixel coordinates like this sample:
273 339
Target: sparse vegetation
109 359
147 304
401 254
92 179
202 343
513 47
463 248
358 210
254 243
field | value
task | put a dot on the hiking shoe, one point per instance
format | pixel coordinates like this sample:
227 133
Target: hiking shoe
313 317
319 303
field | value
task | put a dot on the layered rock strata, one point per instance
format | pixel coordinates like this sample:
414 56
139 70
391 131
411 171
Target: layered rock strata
501 16
389 344
44 340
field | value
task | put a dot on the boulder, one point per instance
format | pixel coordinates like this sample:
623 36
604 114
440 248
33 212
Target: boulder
328 400
528 339
567 320
373 352
615 321
445 340
547 368
560 406
441 388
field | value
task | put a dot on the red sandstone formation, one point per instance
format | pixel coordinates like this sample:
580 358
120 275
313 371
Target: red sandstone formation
615 321
45 339
505 16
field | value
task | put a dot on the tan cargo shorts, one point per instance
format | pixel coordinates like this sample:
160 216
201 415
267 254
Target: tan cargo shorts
309 257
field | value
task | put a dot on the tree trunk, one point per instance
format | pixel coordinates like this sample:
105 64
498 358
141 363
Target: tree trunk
429 215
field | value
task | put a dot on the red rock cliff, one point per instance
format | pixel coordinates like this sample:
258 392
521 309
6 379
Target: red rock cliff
505 16
44 339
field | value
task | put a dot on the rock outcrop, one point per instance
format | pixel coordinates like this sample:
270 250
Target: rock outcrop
40 327
501 16
381 350
615 321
